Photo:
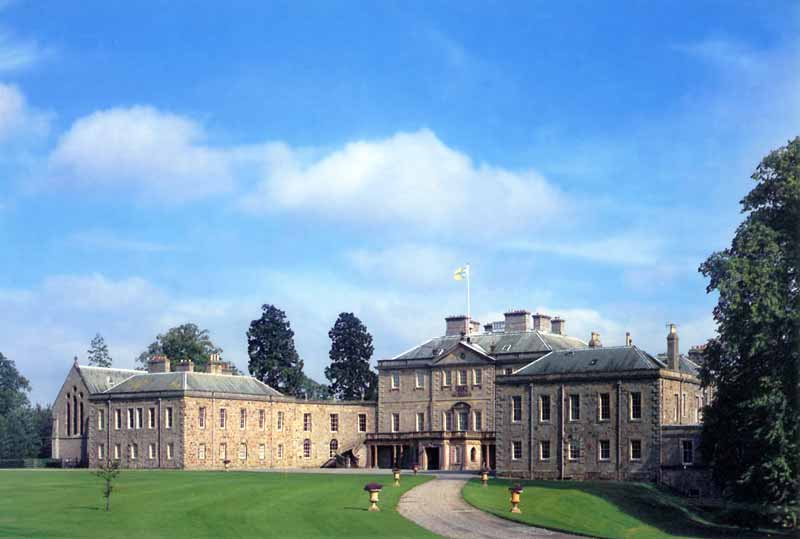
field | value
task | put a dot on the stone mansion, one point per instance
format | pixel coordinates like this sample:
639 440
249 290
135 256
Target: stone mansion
518 396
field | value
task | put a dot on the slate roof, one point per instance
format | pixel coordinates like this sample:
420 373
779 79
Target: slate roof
602 359
99 379
497 344
192 381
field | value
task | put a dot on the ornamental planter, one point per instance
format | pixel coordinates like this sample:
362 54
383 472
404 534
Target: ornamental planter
227 464
396 473
484 476
516 490
373 489
416 468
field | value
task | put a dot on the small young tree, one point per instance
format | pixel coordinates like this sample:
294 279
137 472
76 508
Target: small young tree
108 472
98 352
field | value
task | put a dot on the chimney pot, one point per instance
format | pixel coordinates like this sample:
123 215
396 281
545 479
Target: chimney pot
158 363
628 339
518 320
558 326
594 341
456 325
673 351
541 322
185 366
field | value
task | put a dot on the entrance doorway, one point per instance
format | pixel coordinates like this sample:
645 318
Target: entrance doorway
432 456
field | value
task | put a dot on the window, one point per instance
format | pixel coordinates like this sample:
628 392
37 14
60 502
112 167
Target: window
262 419
101 452
683 405
334 447
462 377
201 417
636 450
201 452
307 422
508 371
516 409
242 451
574 450
133 451
168 418
131 418
362 422
395 423
280 451
420 421
170 451
604 450
222 418
280 421
463 421
306 448
242 418
457 456
544 408
604 407
334 422
151 418
478 417
420 380
223 452
448 378
262 452
473 455
151 451
395 380
636 405
698 413
677 406
477 377
101 419
139 415
117 419
116 451
687 451
448 421
574 407
544 450
516 450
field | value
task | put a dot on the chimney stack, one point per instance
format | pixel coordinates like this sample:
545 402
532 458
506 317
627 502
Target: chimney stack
594 342
474 327
519 320
214 364
158 363
673 353
187 365
487 328
558 326
628 339
457 325
541 322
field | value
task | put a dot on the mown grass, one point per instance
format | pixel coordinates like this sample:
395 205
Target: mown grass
176 504
608 509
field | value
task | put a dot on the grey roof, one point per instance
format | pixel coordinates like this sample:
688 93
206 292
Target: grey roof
497 344
193 381
99 379
601 359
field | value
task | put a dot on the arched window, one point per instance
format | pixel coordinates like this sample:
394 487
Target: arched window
74 414
306 448
473 455
69 417
334 447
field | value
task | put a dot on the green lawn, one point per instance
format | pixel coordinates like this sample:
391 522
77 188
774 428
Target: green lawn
174 504
600 508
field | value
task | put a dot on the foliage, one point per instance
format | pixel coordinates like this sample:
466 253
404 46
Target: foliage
181 343
273 357
351 349
13 387
24 430
313 390
752 426
98 352
108 472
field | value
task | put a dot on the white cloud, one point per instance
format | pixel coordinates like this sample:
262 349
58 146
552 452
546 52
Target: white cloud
17 54
159 153
633 249
17 118
407 179
107 240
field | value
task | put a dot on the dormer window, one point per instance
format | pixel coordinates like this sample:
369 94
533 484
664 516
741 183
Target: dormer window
506 347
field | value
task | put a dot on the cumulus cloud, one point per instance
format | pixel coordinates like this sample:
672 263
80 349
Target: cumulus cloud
158 153
17 118
409 178
17 54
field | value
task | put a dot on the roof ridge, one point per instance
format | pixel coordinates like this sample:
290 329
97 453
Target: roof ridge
107 368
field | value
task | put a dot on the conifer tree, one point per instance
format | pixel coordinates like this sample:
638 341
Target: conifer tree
98 352
351 349
273 357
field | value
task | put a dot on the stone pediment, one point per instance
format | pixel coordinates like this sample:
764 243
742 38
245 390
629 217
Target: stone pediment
463 353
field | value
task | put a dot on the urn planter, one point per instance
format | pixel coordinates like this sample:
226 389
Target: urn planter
373 489
516 490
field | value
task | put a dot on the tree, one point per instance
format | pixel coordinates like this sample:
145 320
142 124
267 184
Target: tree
273 357
108 472
351 349
20 430
752 426
313 390
184 342
98 352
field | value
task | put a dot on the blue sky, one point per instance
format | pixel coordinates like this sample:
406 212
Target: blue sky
166 162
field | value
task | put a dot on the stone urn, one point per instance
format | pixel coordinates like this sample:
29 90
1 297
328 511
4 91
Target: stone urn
484 476
516 490
227 464
415 468
396 473
373 489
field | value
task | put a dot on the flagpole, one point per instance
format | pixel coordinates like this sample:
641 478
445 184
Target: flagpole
469 313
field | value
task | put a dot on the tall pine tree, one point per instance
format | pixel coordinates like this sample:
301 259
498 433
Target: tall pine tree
273 357
98 352
752 426
351 349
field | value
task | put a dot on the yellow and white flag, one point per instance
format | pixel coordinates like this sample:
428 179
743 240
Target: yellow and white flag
461 273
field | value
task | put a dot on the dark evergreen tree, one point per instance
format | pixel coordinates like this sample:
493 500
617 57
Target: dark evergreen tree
752 426
98 352
273 357
351 350
184 342
313 390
